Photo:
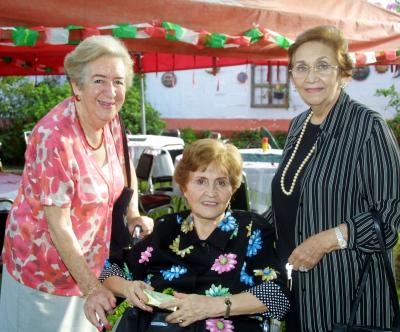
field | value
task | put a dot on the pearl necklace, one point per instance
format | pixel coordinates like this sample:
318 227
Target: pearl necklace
91 147
304 162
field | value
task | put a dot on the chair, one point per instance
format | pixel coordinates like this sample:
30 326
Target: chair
3 218
26 136
240 199
172 132
151 201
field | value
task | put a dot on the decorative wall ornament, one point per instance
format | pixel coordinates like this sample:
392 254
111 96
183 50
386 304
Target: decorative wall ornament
169 79
360 73
381 68
242 77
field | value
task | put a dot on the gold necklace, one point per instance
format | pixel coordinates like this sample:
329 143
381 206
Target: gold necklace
304 162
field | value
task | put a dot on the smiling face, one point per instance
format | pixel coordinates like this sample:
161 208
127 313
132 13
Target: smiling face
103 92
208 193
319 90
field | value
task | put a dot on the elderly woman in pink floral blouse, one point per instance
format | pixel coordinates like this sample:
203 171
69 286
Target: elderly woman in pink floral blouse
58 232
219 263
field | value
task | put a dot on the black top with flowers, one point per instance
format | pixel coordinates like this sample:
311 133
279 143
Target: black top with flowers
238 256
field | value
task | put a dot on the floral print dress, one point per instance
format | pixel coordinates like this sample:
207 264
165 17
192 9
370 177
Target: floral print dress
59 171
237 256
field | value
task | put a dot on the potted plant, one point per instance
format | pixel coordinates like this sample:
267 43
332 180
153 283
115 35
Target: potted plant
279 91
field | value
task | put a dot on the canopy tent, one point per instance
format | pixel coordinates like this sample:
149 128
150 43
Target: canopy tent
182 34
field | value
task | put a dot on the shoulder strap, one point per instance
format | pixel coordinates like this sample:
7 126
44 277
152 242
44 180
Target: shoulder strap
388 272
378 225
126 153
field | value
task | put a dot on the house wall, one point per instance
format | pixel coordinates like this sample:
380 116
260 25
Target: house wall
221 103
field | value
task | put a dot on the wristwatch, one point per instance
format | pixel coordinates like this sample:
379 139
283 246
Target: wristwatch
340 239
228 304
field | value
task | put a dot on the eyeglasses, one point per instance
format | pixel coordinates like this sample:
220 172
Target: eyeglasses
320 68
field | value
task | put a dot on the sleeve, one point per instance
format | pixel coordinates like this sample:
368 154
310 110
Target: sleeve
379 175
112 271
49 164
138 258
262 273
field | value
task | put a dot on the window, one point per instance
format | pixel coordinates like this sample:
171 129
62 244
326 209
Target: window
269 86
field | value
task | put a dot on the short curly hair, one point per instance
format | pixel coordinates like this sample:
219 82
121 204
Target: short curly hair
91 49
330 36
204 152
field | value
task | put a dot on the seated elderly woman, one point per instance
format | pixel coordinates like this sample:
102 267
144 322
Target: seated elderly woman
220 264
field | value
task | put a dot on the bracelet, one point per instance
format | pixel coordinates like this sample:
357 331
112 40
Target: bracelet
228 304
92 290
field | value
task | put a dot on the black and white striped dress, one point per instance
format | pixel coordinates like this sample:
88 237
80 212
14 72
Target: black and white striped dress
356 166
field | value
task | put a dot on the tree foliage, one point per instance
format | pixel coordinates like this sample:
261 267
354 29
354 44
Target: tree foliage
23 102
394 102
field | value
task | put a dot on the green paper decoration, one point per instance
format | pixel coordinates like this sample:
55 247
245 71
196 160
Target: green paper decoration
216 40
24 37
255 35
74 27
178 31
282 42
124 31
6 59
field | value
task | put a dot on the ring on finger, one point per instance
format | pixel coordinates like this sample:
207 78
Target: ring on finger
180 321
302 268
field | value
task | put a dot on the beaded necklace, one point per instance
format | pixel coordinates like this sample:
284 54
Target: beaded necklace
91 147
304 162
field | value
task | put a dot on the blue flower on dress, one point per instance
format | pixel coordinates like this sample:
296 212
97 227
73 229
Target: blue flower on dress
107 264
173 272
179 219
246 278
255 243
217 291
228 223
127 272
148 279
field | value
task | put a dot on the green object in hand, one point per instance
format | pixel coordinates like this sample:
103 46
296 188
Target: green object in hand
118 312
156 298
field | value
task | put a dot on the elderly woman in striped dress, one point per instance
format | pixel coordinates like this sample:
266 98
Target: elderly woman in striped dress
340 161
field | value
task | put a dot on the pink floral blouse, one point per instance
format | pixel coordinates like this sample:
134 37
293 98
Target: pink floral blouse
59 171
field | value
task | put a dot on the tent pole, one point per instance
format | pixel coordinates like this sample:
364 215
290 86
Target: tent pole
143 108
142 100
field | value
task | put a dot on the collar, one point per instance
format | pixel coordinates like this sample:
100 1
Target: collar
331 123
218 238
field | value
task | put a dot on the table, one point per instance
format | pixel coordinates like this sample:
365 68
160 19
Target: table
9 184
260 168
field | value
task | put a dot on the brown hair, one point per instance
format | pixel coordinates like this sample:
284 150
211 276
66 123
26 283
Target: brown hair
203 152
93 48
330 36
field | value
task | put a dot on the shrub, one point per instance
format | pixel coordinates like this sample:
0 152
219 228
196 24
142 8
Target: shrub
394 102
23 103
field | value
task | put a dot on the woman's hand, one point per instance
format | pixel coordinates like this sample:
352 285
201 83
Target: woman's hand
100 302
146 223
192 307
309 253
133 291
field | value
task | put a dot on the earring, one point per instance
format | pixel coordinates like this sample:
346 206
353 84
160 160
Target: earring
77 98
